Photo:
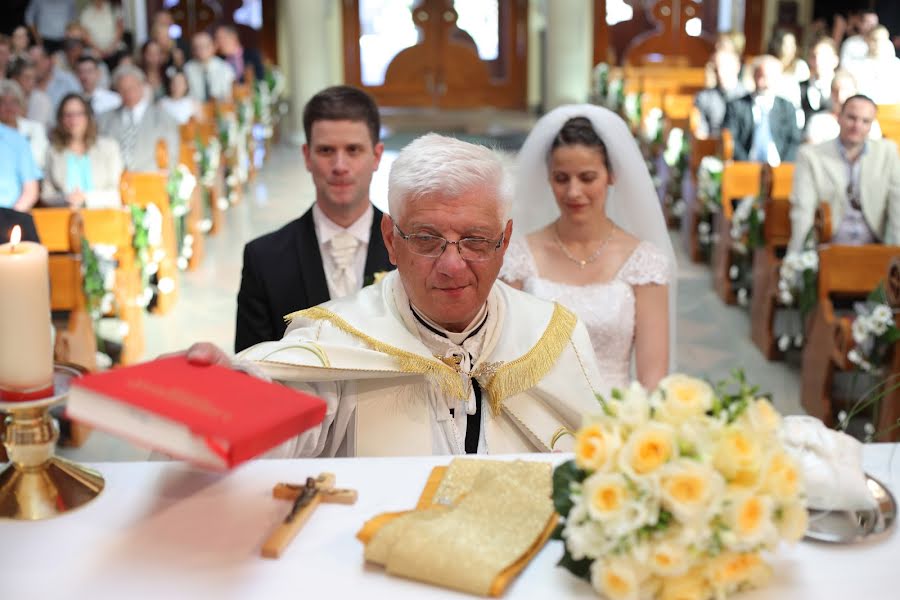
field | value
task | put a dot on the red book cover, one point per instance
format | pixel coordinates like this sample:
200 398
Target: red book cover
209 415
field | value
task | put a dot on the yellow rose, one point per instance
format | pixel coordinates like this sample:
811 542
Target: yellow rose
761 416
730 570
738 456
616 579
782 477
595 447
648 448
750 519
684 398
606 495
688 488
690 586
668 558
793 521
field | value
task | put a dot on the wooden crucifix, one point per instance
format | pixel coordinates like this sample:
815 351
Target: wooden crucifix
306 498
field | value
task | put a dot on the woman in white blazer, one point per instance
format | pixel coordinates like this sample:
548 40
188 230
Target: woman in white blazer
82 168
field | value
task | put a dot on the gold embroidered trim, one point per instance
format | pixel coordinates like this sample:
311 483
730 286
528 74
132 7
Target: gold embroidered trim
526 371
408 362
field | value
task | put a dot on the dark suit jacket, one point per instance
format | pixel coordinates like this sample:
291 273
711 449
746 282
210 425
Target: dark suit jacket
9 218
253 59
782 120
283 273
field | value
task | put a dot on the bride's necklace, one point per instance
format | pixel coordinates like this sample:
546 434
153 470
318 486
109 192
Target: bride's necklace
582 263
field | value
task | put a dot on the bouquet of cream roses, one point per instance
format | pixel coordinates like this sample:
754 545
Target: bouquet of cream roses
676 493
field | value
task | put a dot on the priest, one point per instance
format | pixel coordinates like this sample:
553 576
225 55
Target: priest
437 357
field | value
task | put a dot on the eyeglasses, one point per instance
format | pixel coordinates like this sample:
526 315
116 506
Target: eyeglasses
471 249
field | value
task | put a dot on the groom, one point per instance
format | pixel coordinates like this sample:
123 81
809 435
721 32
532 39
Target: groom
438 357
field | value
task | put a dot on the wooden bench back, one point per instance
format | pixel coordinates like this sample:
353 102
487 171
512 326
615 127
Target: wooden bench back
777 224
853 270
678 107
739 179
700 149
727 150
782 181
61 231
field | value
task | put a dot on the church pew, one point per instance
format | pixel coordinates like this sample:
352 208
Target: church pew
204 132
113 227
767 260
889 411
143 189
699 148
739 179
61 231
193 219
846 273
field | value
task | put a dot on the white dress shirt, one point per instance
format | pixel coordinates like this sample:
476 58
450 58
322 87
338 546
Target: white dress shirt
326 229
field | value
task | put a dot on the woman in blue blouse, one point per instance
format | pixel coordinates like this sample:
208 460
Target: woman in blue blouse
82 168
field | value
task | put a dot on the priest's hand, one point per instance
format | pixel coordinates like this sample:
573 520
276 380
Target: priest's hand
204 353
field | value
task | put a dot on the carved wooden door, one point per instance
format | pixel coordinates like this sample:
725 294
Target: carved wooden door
438 53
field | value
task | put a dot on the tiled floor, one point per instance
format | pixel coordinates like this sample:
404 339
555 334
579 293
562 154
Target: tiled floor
712 338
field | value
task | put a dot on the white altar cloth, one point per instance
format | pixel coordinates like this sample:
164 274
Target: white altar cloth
163 530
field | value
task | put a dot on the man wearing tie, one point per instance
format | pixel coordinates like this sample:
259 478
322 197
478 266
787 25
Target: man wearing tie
336 246
209 77
138 124
763 125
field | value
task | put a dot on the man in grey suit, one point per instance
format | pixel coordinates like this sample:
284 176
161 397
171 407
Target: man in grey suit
859 178
139 123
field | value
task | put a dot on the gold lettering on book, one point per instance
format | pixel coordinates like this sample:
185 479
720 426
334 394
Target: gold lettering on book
180 396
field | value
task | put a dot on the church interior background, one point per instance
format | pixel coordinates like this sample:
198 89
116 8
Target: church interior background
482 70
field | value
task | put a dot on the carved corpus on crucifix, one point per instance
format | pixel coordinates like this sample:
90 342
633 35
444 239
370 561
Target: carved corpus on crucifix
305 500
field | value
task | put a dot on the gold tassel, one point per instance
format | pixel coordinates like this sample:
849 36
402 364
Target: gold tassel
526 371
408 362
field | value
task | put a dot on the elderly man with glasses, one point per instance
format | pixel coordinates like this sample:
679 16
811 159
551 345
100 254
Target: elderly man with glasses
438 357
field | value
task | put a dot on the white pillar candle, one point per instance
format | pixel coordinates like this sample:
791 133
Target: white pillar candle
26 355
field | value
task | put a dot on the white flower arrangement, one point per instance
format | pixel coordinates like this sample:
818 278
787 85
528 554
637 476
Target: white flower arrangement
678 492
874 332
709 183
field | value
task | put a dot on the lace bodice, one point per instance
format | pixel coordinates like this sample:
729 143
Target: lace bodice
607 309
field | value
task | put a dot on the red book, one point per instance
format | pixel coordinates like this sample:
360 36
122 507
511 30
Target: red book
209 415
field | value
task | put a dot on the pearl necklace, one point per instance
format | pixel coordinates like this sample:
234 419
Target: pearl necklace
582 263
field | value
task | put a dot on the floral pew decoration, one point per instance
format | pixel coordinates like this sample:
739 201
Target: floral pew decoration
678 492
709 197
180 188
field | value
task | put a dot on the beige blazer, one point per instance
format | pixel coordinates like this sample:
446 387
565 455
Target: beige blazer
106 171
821 175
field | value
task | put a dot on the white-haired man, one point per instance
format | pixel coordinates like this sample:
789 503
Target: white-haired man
438 357
138 124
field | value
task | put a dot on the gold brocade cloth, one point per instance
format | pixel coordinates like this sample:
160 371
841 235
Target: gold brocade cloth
477 524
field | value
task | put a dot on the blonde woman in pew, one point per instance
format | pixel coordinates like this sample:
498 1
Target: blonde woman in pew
607 256
83 169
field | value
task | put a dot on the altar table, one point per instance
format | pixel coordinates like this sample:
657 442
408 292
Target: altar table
164 530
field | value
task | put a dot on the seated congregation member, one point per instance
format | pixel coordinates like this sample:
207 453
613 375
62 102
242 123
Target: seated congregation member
336 246
138 124
83 169
19 174
794 69
105 28
177 103
151 63
89 75
229 47
52 80
12 114
815 92
711 102
437 357
209 77
824 126
879 73
608 259
39 108
6 54
763 125
858 177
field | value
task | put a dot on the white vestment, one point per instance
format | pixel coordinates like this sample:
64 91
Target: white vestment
388 395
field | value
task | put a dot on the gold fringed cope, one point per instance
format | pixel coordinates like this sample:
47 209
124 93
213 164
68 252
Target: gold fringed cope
477 524
512 378
525 372
408 362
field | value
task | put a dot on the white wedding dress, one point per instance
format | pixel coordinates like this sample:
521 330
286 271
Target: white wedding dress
607 309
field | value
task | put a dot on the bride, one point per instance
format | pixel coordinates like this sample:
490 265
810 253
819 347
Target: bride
602 248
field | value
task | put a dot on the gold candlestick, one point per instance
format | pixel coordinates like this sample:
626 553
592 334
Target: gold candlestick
36 484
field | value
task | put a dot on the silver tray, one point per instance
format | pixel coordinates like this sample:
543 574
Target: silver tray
848 527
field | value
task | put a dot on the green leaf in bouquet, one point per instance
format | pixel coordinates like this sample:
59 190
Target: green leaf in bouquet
563 477
579 568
